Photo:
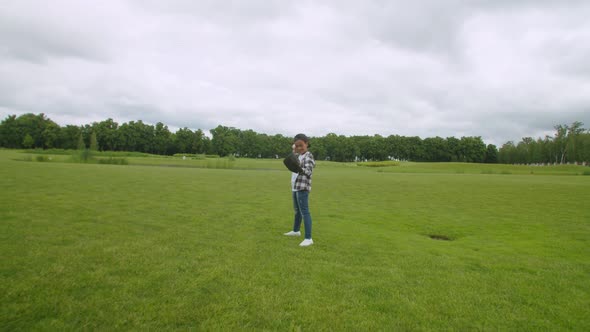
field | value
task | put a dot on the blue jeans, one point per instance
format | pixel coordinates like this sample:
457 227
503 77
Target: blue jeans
300 204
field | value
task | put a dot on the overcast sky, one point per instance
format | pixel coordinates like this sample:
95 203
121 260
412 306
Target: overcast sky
500 69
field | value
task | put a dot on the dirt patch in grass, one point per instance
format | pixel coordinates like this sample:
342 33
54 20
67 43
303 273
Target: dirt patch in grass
440 237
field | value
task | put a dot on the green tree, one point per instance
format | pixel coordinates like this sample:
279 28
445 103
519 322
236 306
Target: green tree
413 148
573 138
567 145
51 135
546 149
207 149
583 147
107 135
473 149
507 153
225 140
436 149
28 141
377 149
198 144
10 137
317 147
335 147
69 136
129 137
394 147
93 142
454 146
281 145
81 145
184 140
249 144
526 150
560 142
162 138
33 125
491 154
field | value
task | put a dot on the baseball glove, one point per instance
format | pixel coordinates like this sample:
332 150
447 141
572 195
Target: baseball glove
292 163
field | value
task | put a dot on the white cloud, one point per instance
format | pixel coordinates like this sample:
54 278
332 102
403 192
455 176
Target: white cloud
496 69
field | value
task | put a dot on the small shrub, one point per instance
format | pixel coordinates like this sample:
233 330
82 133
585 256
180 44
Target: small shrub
41 158
83 156
86 155
113 161
52 151
126 154
586 173
212 156
220 163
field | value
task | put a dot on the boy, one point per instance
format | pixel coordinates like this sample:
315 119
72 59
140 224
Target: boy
300 187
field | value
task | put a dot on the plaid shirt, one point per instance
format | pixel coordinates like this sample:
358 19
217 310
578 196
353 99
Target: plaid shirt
303 181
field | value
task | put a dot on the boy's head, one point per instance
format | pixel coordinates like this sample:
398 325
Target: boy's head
301 143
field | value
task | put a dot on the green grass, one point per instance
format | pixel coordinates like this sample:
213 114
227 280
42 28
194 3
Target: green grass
98 153
473 168
111 247
379 163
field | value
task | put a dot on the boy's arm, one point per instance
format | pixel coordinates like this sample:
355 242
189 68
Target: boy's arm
308 165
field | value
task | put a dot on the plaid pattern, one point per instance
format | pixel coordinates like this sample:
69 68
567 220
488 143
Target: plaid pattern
303 181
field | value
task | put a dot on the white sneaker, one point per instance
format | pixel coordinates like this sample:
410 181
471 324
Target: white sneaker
291 233
306 243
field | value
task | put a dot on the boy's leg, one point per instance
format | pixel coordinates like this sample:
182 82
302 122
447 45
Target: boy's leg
303 201
297 219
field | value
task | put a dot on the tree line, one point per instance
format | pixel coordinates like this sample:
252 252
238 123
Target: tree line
569 144
37 131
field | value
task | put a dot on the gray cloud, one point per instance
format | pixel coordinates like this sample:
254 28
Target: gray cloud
497 69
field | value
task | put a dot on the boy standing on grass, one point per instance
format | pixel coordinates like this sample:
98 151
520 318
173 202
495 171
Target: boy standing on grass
300 187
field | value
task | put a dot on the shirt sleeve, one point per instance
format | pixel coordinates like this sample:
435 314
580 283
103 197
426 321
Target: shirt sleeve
308 165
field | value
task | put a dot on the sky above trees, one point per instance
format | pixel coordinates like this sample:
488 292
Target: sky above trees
501 70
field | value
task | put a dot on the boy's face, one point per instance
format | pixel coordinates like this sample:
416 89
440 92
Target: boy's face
300 147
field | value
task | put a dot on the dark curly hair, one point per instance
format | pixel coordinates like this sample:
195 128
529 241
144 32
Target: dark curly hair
302 137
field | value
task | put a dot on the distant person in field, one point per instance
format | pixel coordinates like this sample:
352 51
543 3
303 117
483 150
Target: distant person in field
300 187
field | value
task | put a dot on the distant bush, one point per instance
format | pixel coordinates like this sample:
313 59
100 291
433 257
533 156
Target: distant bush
42 158
220 163
96 153
50 151
113 161
126 154
586 173
82 156
379 164
212 156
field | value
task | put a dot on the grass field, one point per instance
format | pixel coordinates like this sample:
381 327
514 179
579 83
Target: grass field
199 246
